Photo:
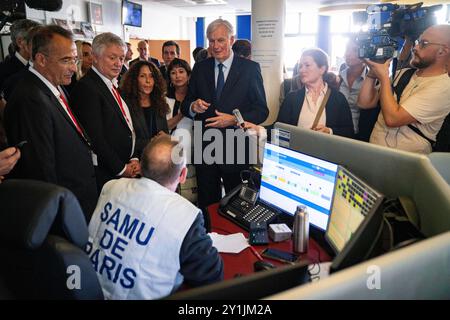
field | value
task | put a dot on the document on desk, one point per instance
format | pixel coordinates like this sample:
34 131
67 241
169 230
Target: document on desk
231 243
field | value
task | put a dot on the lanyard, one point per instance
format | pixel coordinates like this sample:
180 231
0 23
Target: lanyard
119 101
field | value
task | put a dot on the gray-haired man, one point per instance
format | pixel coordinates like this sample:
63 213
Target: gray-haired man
19 60
103 112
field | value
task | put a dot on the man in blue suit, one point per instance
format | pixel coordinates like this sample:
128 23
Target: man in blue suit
217 86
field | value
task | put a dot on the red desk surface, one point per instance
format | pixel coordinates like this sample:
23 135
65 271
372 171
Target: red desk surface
242 263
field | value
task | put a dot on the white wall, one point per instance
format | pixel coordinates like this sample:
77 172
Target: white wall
159 21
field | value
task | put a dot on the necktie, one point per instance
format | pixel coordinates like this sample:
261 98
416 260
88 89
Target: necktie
72 117
119 101
220 81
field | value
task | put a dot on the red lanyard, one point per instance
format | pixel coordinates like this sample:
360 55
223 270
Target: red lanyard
74 120
119 101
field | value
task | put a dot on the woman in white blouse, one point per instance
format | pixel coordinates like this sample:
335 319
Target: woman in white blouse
301 107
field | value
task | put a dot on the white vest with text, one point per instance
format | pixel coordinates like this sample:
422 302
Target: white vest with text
135 236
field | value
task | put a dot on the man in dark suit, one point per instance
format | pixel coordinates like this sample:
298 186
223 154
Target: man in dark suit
170 51
14 80
58 149
18 61
144 54
218 85
104 113
126 62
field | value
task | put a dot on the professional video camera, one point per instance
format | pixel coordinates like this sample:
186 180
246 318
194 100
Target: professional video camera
11 10
388 23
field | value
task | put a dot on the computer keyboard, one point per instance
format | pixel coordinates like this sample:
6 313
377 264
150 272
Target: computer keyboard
356 193
244 213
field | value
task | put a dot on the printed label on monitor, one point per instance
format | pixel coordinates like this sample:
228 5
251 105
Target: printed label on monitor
282 138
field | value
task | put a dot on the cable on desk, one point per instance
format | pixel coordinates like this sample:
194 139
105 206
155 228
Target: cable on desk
314 276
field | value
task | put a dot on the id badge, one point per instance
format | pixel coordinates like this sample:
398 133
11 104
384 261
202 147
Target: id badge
94 159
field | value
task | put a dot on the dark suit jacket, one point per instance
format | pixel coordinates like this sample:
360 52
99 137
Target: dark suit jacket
8 68
99 113
337 112
165 74
12 81
150 59
141 127
122 72
243 89
55 151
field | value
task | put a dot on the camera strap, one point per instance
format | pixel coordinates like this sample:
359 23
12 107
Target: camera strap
322 106
398 89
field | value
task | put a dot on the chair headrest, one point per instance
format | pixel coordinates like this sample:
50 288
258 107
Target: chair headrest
30 210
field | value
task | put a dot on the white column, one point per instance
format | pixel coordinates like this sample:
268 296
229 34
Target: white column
268 18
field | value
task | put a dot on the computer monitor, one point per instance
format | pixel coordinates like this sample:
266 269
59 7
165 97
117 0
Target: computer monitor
290 178
254 286
355 221
131 13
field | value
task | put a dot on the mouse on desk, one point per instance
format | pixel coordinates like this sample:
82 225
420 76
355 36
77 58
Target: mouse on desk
261 265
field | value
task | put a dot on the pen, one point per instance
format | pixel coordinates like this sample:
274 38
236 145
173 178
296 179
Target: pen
256 253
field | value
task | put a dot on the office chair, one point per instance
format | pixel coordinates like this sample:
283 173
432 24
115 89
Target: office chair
42 236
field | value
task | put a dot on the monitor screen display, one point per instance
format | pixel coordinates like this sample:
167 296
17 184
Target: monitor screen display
290 178
131 14
353 201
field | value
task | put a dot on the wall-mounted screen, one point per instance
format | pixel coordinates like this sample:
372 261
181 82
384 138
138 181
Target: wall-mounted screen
131 14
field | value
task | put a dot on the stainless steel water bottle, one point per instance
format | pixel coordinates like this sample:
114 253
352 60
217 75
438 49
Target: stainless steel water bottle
301 229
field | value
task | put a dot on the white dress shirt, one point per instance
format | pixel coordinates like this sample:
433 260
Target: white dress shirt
110 84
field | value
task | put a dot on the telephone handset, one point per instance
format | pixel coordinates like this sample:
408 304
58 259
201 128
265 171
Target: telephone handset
245 193
226 199
241 206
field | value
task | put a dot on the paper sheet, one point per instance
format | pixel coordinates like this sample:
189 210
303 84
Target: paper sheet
232 243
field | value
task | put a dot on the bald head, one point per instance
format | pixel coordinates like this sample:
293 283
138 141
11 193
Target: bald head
431 52
440 33
143 49
163 160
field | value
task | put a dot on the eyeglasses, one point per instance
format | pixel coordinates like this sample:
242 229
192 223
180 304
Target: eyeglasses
423 43
66 61
69 61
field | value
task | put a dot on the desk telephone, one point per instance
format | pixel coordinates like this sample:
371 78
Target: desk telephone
241 206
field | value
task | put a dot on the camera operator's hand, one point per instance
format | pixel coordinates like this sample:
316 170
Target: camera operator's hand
379 70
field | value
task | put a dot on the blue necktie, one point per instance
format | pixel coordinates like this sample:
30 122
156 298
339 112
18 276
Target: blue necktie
220 81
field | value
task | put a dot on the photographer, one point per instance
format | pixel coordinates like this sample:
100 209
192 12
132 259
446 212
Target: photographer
425 101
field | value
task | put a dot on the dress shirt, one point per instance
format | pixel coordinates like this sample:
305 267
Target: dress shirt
21 59
225 69
52 88
309 109
110 84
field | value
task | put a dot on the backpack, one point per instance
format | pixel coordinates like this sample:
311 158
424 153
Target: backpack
442 143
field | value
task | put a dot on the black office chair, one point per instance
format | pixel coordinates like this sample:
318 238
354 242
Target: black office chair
42 235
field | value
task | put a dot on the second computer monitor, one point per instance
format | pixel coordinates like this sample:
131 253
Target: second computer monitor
355 220
290 178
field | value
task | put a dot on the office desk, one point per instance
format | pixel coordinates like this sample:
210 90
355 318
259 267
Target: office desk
242 263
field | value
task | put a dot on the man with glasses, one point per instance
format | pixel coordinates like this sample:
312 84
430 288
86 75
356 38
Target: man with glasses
58 150
103 112
412 122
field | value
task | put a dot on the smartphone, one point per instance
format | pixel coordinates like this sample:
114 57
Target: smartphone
280 255
21 144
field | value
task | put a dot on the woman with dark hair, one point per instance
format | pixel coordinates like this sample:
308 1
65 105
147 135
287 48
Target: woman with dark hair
143 89
300 107
182 127
179 73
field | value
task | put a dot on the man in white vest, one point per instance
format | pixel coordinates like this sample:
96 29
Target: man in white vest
145 240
